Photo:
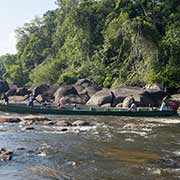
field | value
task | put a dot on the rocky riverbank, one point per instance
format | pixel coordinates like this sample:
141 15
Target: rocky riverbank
86 92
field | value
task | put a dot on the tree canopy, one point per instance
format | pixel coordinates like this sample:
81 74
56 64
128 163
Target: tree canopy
112 42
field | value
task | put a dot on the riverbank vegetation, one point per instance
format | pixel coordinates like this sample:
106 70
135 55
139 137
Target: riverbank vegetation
112 42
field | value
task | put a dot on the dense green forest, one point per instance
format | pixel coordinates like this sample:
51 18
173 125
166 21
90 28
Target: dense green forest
113 42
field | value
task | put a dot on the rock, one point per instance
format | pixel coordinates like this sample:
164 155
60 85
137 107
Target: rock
84 82
80 123
49 94
63 123
5 155
22 91
40 89
155 96
67 90
154 87
28 128
51 123
64 129
171 162
35 118
4 87
91 90
20 149
79 88
123 92
101 97
71 100
6 119
120 105
27 122
11 92
128 101
176 97
106 105
143 100
85 97
17 99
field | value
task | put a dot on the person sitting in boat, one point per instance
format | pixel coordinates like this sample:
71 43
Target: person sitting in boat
31 100
164 106
133 106
5 99
173 105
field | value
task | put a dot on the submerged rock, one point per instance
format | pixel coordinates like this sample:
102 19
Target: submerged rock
7 119
63 123
5 155
28 128
80 123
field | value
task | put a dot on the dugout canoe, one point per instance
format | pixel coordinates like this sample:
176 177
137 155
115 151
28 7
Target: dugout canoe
103 111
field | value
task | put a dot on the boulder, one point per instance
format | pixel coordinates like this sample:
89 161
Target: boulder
78 88
91 90
80 123
154 87
63 123
71 100
176 97
67 90
49 94
122 92
156 96
40 89
128 101
101 97
85 97
22 91
144 101
7 119
4 87
11 92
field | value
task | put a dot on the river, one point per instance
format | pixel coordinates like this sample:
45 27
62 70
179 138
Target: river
112 148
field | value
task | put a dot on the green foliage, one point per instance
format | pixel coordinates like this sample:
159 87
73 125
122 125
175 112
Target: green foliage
112 42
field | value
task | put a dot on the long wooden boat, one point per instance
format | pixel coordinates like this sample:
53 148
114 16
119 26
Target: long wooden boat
103 111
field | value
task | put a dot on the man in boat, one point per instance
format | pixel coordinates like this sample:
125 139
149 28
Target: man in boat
169 104
5 99
31 100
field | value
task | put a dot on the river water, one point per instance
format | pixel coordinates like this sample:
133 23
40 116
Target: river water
112 148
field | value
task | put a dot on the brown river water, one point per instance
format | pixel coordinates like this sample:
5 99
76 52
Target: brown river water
112 148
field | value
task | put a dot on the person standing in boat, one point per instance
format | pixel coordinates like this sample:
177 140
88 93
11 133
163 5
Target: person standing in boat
5 99
31 100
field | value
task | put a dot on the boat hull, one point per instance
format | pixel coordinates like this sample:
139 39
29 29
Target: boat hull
24 109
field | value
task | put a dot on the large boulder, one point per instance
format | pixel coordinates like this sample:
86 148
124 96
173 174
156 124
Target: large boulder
49 94
40 89
71 100
102 97
154 87
4 87
156 96
63 91
11 92
66 90
85 97
128 101
123 92
91 90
